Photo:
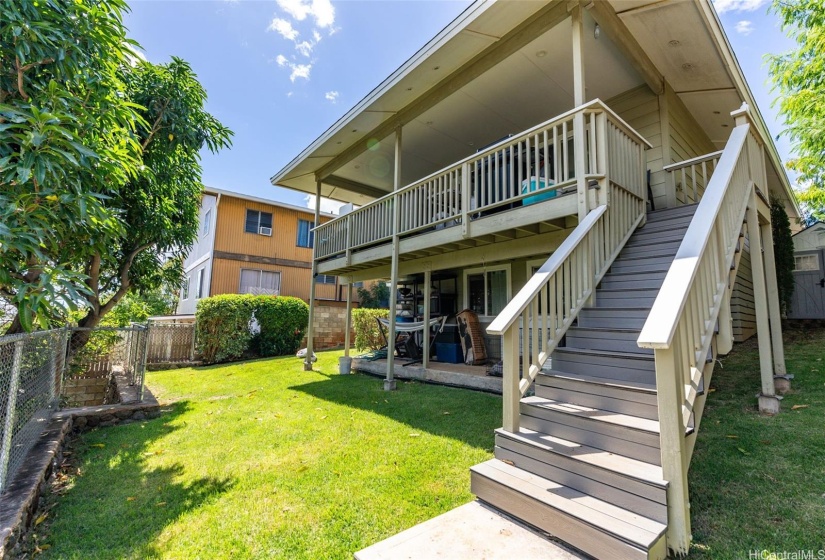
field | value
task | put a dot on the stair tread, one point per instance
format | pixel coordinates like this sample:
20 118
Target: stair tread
618 522
606 353
633 468
618 383
595 414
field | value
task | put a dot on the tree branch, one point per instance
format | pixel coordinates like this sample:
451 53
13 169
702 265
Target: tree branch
124 279
156 125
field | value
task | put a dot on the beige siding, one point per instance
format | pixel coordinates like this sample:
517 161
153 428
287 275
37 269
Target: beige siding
639 107
742 306
226 279
687 140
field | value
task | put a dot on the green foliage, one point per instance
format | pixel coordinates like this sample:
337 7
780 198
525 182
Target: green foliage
783 254
67 144
367 334
222 331
376 297
223 326
799 79
137 307
99 161
283 323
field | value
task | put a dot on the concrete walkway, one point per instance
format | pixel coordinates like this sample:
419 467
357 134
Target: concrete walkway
454 375
472 531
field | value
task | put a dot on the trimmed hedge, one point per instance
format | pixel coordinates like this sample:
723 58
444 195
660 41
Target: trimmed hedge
283 322
367 335
224 333
222 330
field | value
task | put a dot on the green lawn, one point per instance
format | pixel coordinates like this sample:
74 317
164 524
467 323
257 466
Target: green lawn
263 460
758 483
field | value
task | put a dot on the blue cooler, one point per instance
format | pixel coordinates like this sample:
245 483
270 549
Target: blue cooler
449 352
534 184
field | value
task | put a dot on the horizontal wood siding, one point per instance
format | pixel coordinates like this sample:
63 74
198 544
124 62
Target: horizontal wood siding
640 108
742 306
231 237
226 279
687 139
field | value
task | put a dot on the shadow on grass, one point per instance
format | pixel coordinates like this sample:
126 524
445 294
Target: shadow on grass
116 504
460 414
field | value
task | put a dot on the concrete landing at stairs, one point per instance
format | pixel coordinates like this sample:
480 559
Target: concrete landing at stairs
473 530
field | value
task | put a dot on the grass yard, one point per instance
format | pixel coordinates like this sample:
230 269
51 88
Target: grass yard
758 483
263 460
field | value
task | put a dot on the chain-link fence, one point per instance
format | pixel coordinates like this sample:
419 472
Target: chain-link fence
170 343
30 375
100 357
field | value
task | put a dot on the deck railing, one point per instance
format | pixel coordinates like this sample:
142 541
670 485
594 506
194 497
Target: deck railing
536 319
682 322
533 166
693 175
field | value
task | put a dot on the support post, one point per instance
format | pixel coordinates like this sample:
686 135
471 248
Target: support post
774 313
578 100
428 275
389 382
768 403
348 321
313 274
724 340
671 395
510 393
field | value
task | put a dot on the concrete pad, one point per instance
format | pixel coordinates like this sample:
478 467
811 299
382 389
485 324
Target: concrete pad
473 530
432 374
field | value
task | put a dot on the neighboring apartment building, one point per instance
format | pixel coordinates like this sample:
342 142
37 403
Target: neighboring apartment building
252 245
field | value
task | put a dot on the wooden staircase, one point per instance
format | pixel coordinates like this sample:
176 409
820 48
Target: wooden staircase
585 462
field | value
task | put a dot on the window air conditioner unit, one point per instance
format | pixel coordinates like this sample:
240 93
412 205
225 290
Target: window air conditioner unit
265 231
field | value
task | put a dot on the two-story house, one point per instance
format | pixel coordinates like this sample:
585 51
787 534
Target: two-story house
597 178
251 245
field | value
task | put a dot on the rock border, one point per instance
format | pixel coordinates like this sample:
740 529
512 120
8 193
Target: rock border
20 503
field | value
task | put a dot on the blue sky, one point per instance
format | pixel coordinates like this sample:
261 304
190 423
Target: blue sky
280 72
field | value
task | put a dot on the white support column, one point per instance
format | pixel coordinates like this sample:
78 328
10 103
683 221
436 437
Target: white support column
511 395
773 303
768 403
670 391
428 275
314 273
389 382
578 56
578 100
348 322
724 340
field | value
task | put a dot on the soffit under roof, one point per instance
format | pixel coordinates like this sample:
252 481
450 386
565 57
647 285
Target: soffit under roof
680 38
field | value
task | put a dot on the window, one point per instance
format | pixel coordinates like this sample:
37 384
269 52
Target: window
487 291
324 279
199 288
184 288
357 284
805 262
207 218
305 234
255 220
260 282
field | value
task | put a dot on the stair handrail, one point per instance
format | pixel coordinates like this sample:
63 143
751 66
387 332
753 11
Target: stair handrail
537 318
682 321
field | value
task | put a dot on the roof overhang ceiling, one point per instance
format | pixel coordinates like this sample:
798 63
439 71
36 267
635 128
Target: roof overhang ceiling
533 83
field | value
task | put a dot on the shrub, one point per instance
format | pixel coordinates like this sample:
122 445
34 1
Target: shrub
283 323
223 326
367 335
376 297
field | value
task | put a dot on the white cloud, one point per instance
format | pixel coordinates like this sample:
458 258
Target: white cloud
283 28
723 6
744 27
299 71
316 35
304 47
281 60
331 96
322 11
327 205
